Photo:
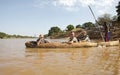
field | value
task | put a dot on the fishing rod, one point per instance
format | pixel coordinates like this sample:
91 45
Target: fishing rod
96 21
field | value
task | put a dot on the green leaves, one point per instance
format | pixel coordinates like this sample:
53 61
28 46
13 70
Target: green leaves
118 11
54 30
70 27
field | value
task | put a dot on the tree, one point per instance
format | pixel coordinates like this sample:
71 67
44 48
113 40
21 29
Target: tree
78 26
88 25
114 18
70 27
104 18
54 30
2 35
118 11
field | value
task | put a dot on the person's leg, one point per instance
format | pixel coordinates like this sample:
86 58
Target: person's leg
109 36
106 36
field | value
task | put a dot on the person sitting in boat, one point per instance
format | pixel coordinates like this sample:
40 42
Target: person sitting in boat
83 37
41 40
107 32
72 38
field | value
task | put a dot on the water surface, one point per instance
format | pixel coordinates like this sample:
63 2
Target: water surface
16 59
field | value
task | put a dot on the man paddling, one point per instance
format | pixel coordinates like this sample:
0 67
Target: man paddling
107 32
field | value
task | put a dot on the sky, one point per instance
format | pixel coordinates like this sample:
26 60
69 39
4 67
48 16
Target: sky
34 17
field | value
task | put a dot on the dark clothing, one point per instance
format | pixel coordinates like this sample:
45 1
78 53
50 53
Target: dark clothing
82 37
33 44
107 32
42 40
107 36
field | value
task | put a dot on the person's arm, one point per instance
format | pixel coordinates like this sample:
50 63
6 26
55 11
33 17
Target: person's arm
39 42
87 38
37 39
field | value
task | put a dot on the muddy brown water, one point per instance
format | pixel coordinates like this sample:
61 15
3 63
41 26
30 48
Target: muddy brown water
16 59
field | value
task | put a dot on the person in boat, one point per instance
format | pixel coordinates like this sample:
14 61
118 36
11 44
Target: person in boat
72 38
107 32
41 40
83 37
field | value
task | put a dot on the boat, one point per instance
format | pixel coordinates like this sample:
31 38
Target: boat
61 45
32 44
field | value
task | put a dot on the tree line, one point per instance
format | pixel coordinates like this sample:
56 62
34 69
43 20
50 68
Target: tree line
4 35
53 31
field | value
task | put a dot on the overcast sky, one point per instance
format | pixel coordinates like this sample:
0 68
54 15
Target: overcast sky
33 17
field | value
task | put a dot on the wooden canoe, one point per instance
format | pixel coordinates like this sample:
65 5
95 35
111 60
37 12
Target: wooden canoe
73 45
62 45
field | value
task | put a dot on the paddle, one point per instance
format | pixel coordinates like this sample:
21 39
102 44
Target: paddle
96 22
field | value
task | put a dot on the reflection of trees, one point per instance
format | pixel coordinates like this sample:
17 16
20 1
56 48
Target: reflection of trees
117 64
80 55
34 53
71 53
110 60
90 60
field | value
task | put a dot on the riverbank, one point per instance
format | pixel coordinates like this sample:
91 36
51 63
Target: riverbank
93 32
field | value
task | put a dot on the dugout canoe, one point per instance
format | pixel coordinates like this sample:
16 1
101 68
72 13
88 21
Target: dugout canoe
62 45
73 45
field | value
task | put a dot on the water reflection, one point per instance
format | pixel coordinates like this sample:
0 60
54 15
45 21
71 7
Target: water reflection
76 61
15 59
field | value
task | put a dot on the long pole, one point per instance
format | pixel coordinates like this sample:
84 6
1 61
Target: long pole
96 21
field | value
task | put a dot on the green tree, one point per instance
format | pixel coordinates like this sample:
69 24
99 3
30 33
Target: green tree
114 18
2 35
118 11
70 27
78 26
88 25
104 18
54 30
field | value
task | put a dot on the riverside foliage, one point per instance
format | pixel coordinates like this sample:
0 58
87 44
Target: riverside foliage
4 35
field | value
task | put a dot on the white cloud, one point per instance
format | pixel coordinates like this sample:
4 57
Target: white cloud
102 6
67 3
42 3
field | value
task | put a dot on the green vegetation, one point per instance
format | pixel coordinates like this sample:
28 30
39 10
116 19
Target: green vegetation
118 11
70 27
54 31
4 35
78 26
88 25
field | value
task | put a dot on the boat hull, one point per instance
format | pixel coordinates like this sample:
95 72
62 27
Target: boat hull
62 45
110 43
32 44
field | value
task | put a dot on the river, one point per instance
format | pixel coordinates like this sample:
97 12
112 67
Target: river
16 59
